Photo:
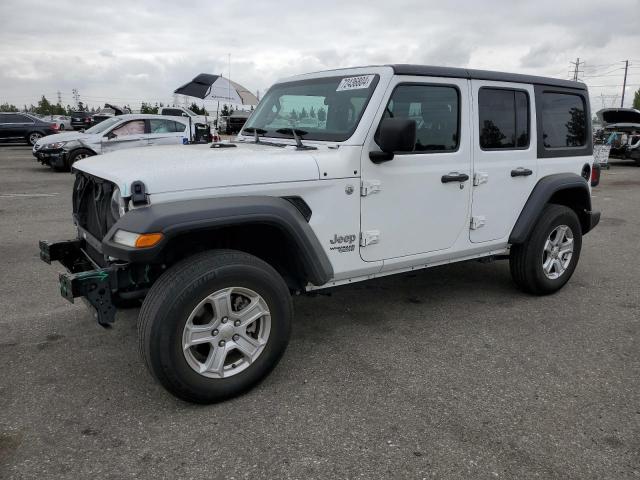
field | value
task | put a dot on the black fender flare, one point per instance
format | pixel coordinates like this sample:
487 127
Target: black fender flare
579 194
176 218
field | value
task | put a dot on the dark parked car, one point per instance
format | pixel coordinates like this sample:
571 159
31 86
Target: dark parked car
23 126
109 111
236 121
80 120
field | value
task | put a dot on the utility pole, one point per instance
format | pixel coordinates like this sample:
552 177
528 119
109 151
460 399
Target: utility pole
576 70
76 96
624 84
59 98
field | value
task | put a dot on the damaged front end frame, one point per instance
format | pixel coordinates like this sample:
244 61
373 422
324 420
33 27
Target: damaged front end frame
101 288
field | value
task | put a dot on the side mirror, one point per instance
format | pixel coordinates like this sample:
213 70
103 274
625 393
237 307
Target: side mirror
110 136
184 114
394 135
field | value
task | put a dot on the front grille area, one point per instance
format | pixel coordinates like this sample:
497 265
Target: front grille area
91 204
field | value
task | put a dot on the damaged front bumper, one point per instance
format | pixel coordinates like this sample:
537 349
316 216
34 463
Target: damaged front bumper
99 287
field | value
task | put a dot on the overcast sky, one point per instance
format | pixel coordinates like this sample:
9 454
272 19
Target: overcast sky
133 51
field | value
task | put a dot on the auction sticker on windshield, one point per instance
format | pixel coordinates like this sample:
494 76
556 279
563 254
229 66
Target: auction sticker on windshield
354 83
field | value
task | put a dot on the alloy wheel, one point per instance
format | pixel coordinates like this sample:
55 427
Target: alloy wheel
557 252
226 332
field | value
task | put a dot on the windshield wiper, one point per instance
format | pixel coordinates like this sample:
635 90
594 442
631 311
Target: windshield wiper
256 132
256 136
296 136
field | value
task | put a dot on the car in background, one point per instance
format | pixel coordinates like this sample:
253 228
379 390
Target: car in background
81 120
24 126
185 112
115 133
109 111
236 121
62 121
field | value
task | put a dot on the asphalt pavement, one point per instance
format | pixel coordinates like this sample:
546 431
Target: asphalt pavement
446 373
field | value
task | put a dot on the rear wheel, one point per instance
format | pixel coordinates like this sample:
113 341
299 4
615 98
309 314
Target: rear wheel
546 261
33 138
214 325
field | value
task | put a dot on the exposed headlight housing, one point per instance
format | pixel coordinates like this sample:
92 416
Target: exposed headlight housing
53 146
137 240
118 205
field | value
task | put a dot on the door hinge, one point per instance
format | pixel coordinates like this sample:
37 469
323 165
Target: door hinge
367 188
369 237
477 222
479 178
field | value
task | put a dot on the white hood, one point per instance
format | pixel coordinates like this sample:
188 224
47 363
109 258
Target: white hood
191 167
64 137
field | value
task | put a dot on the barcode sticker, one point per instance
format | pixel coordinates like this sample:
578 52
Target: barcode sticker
355 83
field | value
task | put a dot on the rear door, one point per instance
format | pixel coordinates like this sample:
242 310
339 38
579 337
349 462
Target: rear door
504 156
126 135
164 131
409 206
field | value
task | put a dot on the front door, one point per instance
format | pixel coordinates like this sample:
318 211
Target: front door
127 135
412 206
505 164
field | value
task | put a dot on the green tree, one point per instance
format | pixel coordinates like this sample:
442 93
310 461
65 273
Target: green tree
293 115
198 110
303 113
6 107
312 113
636 100
322 115
225 111
147 108
44 106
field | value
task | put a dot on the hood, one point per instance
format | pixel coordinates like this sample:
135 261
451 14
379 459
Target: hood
194 167
615 116
63 137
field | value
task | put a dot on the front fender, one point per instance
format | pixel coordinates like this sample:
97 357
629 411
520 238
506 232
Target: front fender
176 218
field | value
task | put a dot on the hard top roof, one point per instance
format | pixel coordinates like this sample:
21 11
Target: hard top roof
433 71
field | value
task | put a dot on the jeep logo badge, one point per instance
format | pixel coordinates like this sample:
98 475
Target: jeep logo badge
343 239
343 243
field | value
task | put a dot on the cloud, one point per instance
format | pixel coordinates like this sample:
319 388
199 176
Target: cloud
125 51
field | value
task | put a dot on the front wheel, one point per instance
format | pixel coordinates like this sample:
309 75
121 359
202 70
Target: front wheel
547 259
214 325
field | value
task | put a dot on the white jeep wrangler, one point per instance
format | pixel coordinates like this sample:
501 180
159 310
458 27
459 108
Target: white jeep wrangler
337 177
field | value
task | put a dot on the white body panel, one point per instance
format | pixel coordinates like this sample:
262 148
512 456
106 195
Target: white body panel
494 167
422 221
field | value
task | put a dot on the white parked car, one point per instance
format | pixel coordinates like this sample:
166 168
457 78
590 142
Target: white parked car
63 122
188 114
62 150
408 167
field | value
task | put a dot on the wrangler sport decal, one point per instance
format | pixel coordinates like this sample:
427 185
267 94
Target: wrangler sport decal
343 243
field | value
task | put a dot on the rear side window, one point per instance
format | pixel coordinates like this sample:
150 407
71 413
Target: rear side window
504 118
14 118
436 110
165 126
564 123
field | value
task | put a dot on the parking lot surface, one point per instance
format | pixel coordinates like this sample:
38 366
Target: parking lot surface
446 373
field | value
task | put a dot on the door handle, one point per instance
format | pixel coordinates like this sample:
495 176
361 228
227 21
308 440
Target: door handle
521 172
454 177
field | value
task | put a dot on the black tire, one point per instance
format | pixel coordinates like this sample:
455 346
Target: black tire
176 294
31 137
525 260
76 155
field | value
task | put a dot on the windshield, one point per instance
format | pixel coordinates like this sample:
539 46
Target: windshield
102 126
322 108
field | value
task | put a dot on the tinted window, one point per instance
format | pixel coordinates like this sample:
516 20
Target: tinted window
564 123
15 118
504 118
172 112
435 110
165 126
